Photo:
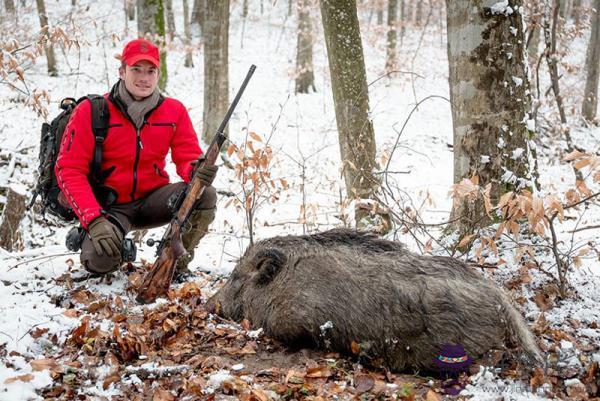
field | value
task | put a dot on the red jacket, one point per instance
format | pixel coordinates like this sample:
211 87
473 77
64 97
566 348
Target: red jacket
138 158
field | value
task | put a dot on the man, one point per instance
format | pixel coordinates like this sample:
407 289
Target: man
143 126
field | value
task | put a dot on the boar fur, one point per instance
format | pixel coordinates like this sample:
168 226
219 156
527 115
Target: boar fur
341 286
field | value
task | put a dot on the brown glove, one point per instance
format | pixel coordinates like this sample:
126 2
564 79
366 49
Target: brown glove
106 237
206 173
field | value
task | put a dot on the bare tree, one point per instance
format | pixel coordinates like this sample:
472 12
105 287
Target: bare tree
198 12
216 66
151 23
592 64
189 61
130 6
305 77
9 6
170 19
489 93
50 57
391 54
351 97
419 13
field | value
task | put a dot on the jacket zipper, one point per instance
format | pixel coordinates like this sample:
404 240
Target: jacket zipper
138 148
163 124
71 140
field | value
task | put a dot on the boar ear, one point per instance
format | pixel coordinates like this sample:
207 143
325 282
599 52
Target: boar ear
268 262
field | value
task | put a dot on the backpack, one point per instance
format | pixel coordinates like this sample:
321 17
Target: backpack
47 188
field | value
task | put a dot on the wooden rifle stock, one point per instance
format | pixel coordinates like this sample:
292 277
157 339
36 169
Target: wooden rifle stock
158 280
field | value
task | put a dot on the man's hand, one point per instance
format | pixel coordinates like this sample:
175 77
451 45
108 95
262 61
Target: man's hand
106 237
206 173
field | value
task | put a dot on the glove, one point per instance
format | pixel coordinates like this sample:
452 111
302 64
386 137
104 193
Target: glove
106 237
205 173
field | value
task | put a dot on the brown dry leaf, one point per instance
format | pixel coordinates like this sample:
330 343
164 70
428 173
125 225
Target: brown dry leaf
294 377
249 349
24 378
541 325
245 324
260 395
71 313
39 331
581 163
433 396
538 379
363 383
574 155
542 301
582 188
597 176
162 395
42 364
255 136
115 377
319 371
355 347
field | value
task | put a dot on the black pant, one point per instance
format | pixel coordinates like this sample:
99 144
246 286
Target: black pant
149 212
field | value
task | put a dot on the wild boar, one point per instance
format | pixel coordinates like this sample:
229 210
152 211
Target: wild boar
341 287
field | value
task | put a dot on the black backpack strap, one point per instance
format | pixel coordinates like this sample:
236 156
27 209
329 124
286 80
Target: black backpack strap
100 120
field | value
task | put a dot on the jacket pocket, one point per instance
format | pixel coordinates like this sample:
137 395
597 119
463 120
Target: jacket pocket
159 172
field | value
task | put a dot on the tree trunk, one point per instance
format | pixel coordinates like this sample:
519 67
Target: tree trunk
490 101
130 10
576 11
305 77
419 13
189 61
50 57
170 19
146 17
350 96
379 13
199 13
402 20
9 6
562 6
245 8
216 66
151 23
592 63
390 63
289 7
14 210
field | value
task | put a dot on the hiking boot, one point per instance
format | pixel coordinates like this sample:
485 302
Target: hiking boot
199 221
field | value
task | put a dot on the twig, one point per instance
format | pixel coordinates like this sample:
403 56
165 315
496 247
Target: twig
41 258
584 228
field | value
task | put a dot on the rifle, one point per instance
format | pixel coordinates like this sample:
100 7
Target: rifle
158 280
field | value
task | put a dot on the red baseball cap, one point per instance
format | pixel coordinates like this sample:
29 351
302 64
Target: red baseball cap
140 49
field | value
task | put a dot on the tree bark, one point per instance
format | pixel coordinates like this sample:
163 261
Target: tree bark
50 57
490 101
305 77
419 13
350 95
151 23
402 20
216 66
14 210
9 6
199 13
391 54
130 10
170 19
189 61
592 64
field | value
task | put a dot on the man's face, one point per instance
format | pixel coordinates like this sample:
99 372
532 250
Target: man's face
140 79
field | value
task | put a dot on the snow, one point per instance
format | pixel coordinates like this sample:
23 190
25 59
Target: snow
302 130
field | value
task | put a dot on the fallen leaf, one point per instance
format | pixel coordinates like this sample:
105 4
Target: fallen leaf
355 347
162 395
115 377
433 396
319 371
363 383
38 332
42 364
24 378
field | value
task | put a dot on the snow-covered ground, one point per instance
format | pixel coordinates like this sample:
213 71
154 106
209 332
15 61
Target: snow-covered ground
301 130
